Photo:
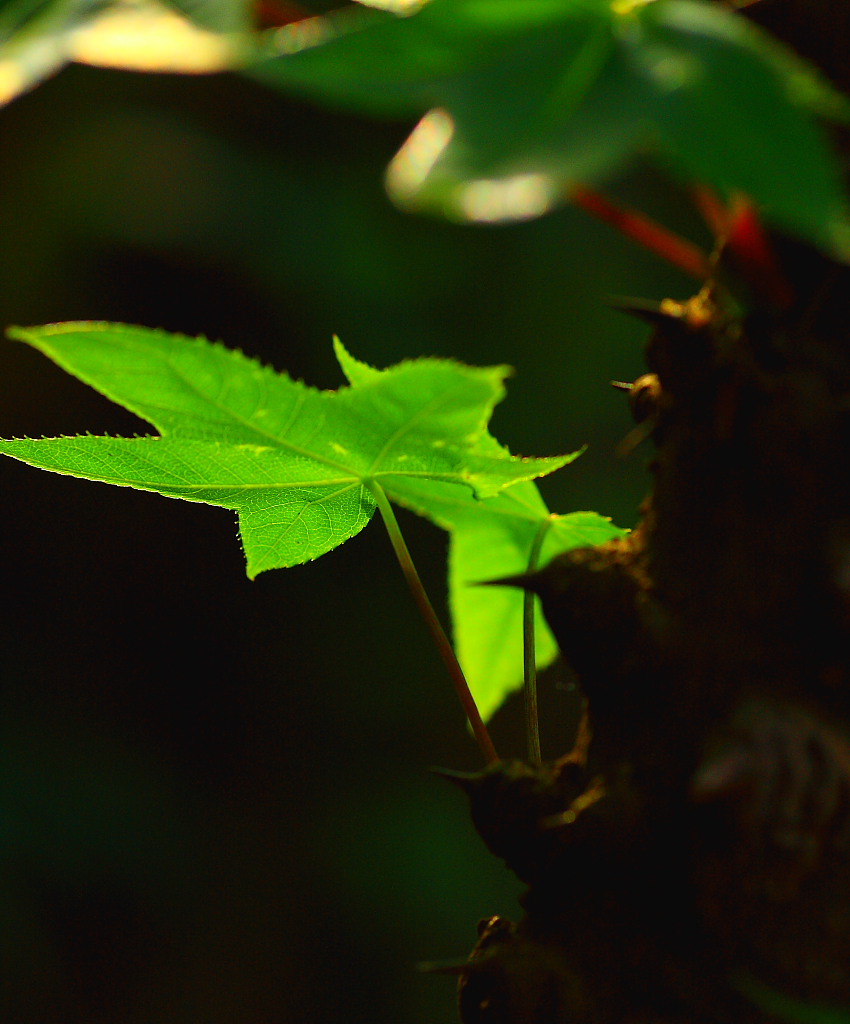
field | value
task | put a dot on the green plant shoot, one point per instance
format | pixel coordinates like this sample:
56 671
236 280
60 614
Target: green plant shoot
302 467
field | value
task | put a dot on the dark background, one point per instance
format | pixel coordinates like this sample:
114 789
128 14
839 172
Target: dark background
214 797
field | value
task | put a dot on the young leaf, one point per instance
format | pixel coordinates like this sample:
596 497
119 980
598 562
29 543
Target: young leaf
296 463
491 538
526 100
488 540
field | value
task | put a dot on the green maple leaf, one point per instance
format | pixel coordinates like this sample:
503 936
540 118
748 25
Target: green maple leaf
495 539
528 99
299 465
303 468
490 538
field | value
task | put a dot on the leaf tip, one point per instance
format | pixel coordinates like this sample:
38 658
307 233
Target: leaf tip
356 372
15 333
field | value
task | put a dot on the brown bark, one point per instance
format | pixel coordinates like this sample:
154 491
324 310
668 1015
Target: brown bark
697 854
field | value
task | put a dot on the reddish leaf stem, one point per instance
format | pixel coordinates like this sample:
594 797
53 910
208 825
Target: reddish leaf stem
277 13
714 211
438 635
646 232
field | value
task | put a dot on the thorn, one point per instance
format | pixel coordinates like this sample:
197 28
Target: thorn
577 757
467 781
557 821
593 794
493 924
523 580
637 435
656 314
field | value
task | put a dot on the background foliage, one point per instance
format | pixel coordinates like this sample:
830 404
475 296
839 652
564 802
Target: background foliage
213 796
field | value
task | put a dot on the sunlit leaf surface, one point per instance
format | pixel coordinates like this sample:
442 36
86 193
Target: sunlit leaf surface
300 466
489 539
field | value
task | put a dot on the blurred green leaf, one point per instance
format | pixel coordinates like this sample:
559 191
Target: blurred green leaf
220 16
37 39
525 101
733 109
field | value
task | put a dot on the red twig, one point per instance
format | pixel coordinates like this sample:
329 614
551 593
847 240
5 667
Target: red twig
714 211
646 232
277 13
746 244
750 245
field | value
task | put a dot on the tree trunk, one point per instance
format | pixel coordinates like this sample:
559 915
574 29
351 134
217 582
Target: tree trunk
691 862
